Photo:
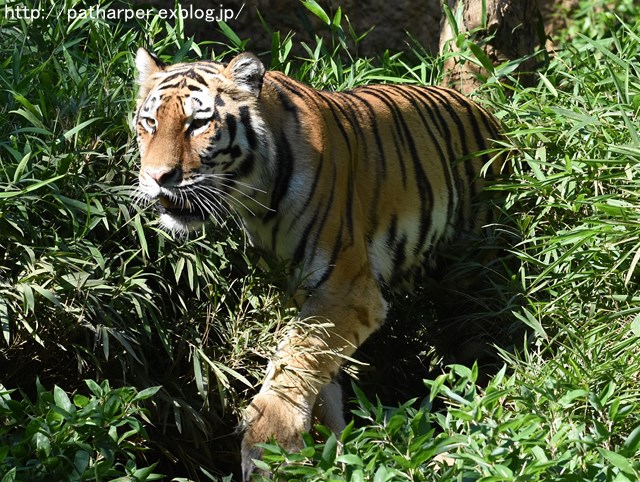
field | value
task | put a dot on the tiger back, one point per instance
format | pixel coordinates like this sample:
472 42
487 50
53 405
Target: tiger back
358 190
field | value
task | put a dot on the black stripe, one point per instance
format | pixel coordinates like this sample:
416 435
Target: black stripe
284 168
375 130
302 242
435 110
246 166
333 100
274 233
312 192
392 231
328 209
296 88
284 100
480 140
245 120
330 101
411 94
421 179
475 113
337 247
399 253
376 93
232 127
192 74
211 67
175 85
176 75
469 170
435 114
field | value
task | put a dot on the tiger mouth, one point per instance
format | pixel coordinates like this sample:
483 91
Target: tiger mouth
184 209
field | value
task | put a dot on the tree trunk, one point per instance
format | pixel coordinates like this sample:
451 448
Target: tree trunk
508 31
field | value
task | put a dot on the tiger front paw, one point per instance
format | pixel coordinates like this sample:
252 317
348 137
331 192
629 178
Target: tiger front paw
273 416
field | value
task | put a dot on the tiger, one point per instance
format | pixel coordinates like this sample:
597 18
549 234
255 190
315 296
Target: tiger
357 190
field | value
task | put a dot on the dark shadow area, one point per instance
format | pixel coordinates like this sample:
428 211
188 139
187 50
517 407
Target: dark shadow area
462 315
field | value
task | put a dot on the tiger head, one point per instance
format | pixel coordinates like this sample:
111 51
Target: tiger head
201 138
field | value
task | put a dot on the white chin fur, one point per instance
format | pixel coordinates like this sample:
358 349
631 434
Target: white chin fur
178 225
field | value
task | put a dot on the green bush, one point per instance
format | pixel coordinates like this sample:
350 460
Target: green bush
89 285
510 430
56 437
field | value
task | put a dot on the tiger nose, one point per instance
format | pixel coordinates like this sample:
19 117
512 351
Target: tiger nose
162 175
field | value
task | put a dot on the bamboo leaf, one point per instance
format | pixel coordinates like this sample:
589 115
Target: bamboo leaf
317 10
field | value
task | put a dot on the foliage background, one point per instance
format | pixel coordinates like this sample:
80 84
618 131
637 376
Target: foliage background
90 288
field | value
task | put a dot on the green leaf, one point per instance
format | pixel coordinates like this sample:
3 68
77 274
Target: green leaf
618 460
43 444
527 318
74 131
548 84
137 223
357 476
218 368
9 476
317 10
567 399
349 459
573 115
230 34
32 187
45 293
146 393
95 388
482 56
261 465
5 321
337 18
28 298
80 400
81 461
21 167
62 400
145 473
329 452
632 443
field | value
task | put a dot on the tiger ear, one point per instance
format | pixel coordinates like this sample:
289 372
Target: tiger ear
247 72
147 64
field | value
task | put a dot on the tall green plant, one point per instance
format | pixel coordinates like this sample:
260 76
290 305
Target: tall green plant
89 286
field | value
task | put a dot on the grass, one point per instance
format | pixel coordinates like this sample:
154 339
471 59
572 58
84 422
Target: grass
90 288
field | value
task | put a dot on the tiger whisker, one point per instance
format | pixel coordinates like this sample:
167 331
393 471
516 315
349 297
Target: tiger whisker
226 176
247 196
223 207
231 183
227 196
219 193
211 203
205 202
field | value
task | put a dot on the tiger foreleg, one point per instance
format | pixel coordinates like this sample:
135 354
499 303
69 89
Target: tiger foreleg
292 418
283 409
299 379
